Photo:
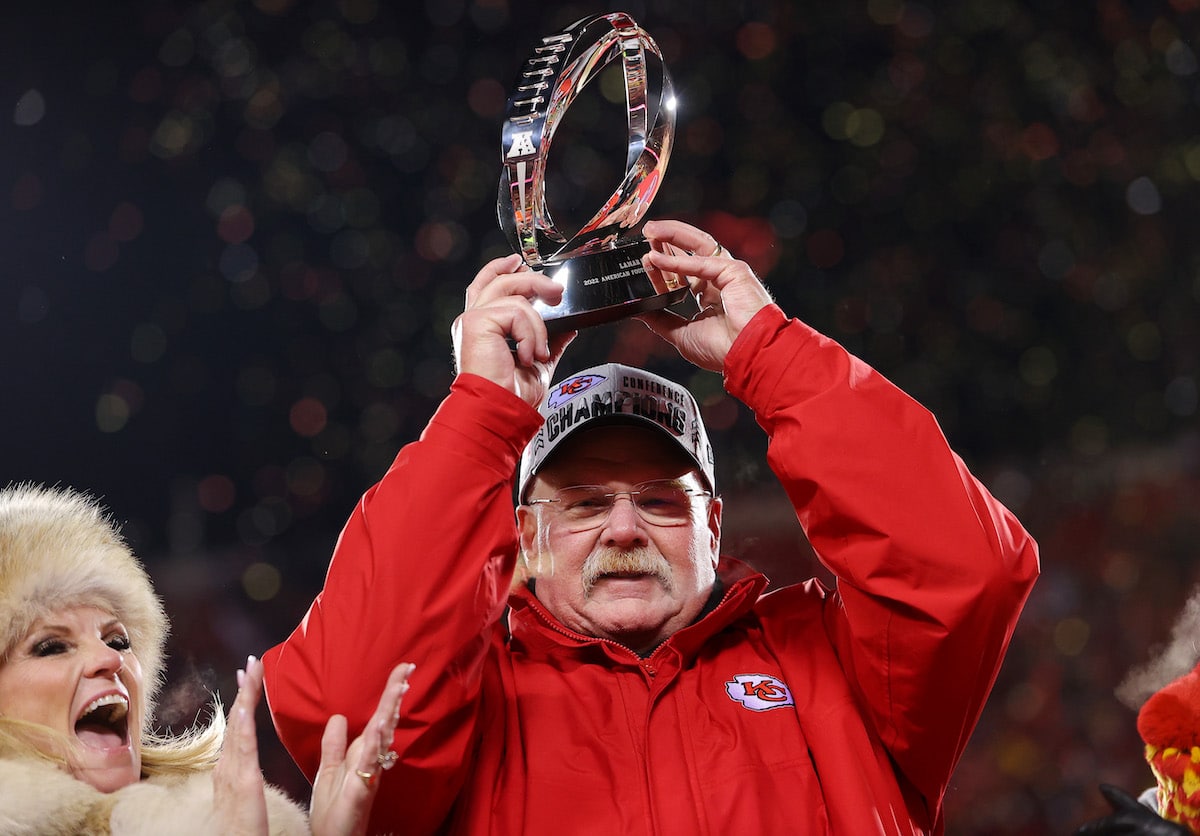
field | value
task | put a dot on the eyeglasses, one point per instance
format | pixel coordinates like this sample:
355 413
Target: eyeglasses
661 502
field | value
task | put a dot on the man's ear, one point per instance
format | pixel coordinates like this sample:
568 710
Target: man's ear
714 527
534 559
521 569
526 528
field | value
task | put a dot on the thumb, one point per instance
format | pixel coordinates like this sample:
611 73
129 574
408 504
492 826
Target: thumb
333 741
1118 798
558 344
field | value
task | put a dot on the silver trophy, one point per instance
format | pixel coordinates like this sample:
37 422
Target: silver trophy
600 265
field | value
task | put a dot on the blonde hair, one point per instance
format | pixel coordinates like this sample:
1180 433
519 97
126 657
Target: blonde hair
195 749
60 548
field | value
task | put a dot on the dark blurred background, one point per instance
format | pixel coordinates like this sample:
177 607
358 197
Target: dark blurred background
235 235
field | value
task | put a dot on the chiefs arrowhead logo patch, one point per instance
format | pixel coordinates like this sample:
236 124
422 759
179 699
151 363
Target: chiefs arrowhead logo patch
759 692
562 392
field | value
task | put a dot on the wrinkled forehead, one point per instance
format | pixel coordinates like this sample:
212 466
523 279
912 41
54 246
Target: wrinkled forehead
618 450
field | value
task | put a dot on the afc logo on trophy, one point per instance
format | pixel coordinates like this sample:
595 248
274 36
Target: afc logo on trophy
522 146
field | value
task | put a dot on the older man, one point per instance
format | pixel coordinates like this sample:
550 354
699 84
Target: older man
636 681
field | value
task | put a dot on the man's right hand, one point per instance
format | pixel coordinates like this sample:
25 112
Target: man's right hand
499 309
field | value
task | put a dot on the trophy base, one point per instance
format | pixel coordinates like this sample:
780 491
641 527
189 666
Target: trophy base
606 286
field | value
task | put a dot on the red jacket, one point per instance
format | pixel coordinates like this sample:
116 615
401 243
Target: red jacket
802 711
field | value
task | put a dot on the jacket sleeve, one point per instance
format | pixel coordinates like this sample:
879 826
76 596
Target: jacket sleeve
420 573
932 571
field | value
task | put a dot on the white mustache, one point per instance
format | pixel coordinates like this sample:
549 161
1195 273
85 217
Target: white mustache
640 560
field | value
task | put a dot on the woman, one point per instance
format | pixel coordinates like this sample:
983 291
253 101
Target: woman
81 653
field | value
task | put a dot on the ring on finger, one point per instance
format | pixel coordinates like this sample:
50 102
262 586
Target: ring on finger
387 759
368 778
719 251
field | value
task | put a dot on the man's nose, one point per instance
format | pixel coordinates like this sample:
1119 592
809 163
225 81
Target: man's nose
624 526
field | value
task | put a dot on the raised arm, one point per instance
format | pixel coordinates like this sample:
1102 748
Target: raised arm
932 570
423 566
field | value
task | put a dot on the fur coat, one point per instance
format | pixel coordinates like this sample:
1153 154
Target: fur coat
37 799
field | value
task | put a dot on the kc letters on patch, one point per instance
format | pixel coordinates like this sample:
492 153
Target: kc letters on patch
759 692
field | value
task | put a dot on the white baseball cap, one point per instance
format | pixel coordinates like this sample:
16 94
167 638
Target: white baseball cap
615 392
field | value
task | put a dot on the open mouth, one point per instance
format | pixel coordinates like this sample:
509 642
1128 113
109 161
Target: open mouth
104 723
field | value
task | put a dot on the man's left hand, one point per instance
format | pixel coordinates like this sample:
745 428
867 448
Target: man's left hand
726 289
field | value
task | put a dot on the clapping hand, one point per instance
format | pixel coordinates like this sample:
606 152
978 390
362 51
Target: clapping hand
347 779
239 803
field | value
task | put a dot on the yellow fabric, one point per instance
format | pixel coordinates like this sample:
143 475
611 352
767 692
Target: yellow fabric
1178 775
